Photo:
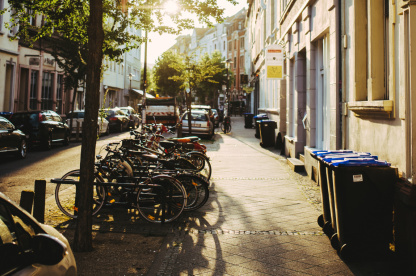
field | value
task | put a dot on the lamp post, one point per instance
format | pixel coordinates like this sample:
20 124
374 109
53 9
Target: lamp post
227 92
144 80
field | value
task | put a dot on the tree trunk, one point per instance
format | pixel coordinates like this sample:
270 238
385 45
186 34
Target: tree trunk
83 232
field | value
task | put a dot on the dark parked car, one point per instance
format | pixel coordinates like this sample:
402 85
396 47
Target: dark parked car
42 127
117 119
134 117
12 140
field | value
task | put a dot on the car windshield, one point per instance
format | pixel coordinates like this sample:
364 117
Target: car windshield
25 119
108 113
197 117
79 115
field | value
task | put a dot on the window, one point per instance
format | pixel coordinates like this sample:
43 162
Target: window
33 89
372 61
223 45
230 46
235 62
59 94
16 232
46 95
242 62
242 43
32 18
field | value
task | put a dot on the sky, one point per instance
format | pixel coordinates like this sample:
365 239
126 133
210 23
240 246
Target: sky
160 43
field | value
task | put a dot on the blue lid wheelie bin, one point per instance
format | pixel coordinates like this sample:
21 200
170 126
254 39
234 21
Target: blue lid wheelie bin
258 118
325 220
363 198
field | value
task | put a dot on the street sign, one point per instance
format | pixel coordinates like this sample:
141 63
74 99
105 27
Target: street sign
274 62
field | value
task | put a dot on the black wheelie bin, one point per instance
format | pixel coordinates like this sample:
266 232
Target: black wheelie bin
248 120
363 203
258 118
267 133
326 160
325 219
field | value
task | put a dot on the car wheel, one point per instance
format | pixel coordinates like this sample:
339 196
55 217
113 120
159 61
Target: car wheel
22 149
66 140
48 143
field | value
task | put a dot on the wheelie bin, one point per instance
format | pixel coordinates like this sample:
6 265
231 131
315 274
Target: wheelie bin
363 205
257 119
267 133
248 120
324 220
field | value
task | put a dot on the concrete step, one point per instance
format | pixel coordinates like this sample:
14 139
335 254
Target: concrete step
296 165
302 158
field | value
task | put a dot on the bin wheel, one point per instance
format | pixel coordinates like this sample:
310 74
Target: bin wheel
335 242
328 229
321 221
345 252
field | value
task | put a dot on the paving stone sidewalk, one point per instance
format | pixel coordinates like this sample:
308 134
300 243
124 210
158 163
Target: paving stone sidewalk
261 219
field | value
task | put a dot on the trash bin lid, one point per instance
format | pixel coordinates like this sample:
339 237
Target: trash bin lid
328 158
261 116
359 162
248 114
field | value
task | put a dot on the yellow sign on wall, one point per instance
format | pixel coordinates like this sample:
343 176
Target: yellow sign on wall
274 72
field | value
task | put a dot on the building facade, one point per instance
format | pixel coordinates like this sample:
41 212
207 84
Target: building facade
347 83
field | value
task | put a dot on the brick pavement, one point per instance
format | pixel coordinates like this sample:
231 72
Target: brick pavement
261 219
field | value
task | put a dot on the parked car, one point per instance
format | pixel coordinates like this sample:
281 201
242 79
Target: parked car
216 117
12 140
78 119
207 108
117 119
134 117
28 247
42 127
200 123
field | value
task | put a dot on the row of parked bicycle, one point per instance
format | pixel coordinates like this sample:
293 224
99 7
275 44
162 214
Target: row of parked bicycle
158 176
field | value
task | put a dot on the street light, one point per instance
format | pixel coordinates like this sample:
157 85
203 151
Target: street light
228 62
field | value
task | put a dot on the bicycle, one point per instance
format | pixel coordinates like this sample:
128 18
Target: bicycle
226 125
158 199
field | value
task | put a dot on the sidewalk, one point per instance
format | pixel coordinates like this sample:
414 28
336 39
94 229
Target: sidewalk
261 219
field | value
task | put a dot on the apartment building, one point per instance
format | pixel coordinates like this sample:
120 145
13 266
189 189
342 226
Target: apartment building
347 83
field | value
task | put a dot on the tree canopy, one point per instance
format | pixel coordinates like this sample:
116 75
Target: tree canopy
168 66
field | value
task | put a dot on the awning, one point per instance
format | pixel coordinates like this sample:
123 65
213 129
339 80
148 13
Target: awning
141 93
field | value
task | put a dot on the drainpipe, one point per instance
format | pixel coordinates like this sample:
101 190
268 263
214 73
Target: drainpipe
343 109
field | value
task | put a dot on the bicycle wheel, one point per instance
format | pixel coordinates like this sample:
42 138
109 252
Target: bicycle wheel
228 128
161 199
197 191
65 195
202 164
223 128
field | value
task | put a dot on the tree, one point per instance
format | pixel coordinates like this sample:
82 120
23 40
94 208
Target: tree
105 30
211 77
167 67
